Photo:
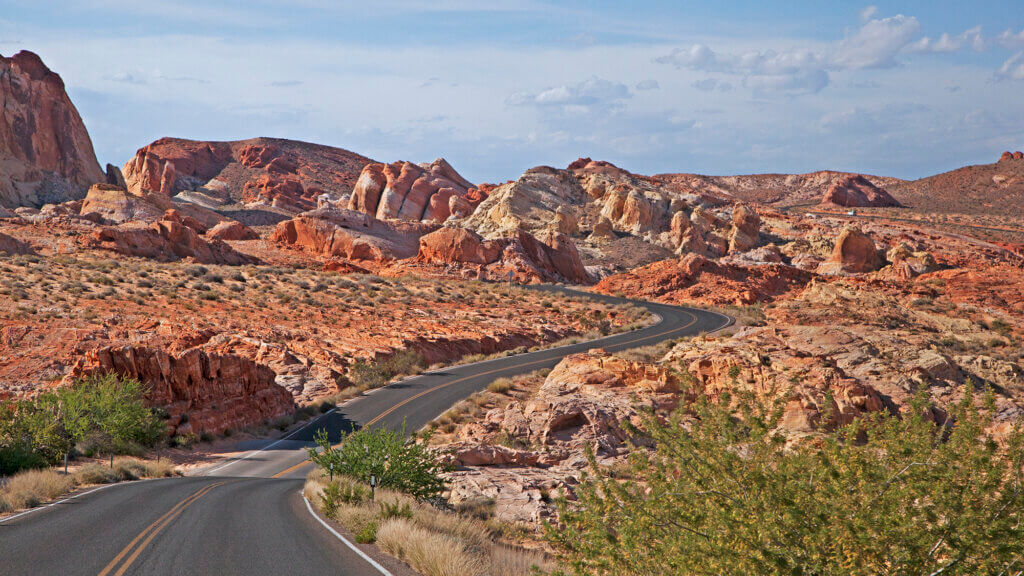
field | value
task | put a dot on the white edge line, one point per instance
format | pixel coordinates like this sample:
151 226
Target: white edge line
268 446
45 506
355 549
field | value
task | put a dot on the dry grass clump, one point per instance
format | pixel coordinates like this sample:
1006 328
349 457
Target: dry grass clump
430 553
506 561
435 542
31 488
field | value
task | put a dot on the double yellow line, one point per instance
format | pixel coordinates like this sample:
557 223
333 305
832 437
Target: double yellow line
147 535
385 413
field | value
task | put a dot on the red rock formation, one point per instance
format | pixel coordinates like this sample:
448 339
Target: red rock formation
338 232
45 148
166 239
695 279
412 192
854 253
856 191
283 173
147 170
231 230
12 246
1011 156
215 391
548 256
458 245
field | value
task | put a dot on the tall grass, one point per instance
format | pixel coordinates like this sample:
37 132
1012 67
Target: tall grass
428 552
31 488
433 541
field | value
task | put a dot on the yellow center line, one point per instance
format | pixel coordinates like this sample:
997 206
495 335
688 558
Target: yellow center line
385 413
153 529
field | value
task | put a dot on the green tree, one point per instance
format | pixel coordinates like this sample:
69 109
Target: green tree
396 462
725 495
108 409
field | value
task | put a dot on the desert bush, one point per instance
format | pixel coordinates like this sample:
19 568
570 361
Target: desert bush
376 373
368 534
389 510
500 386
396 463
97 474
32 487
104 413
884 494
429 553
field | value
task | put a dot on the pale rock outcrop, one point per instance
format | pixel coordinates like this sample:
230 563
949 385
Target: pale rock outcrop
746 227
854 253
409 191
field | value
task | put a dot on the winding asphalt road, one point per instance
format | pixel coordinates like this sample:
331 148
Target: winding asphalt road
245 515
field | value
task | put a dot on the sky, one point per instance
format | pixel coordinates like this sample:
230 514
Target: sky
904 89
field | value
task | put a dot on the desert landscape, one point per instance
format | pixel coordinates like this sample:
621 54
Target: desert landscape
267 295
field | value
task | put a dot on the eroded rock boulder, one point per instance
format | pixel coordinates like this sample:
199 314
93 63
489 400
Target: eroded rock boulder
856 191
166 239
409 191
350 234
854 253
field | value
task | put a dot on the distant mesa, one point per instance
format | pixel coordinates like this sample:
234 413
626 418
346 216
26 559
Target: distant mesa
45 152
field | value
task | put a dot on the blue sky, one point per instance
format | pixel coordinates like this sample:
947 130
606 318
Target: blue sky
901 88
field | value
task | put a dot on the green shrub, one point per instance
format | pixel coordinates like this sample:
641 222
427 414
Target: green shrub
396 509
368 535
376 373
396 463
101 414
724 494
330 499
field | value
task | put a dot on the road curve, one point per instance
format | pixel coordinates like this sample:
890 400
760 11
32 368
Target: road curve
245 515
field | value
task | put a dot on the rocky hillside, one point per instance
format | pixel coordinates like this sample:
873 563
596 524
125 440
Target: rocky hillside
984 189
775 189
284 174
617 219
45 152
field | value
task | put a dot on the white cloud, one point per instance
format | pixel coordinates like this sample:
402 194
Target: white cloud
648 84
576 98
972 39
1009 39
876 44
1013 68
